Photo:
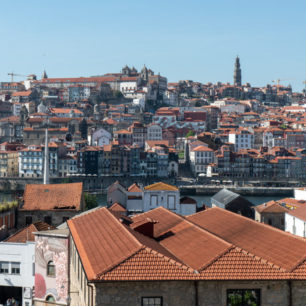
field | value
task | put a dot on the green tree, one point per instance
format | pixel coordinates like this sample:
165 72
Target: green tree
117 94
190 133
91 200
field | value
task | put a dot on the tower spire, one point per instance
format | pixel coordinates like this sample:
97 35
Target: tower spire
237 72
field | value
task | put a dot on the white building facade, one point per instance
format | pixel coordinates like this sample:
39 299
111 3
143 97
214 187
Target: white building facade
17 262
242 140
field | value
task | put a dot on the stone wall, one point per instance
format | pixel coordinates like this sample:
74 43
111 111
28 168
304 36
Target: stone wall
57 216
210 293
298 293
174 293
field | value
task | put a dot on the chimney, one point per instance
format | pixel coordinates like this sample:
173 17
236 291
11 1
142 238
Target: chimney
145 227
46 159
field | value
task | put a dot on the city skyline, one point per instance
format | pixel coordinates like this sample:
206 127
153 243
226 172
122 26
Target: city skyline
198 42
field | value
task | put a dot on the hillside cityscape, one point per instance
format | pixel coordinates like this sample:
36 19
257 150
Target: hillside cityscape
102 181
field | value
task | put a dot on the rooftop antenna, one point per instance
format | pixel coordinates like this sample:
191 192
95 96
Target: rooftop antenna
46 161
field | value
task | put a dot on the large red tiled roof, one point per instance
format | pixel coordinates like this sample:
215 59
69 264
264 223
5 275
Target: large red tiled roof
108 244
194 246
262 240
166 220
183 249
53 196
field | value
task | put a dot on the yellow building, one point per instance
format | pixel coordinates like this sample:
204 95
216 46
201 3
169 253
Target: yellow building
8 163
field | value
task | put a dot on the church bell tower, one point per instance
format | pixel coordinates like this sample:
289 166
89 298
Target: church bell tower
237 73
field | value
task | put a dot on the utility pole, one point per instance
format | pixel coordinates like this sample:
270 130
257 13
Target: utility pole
46 161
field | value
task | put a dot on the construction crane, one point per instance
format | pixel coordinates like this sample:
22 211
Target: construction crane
277 81
12 74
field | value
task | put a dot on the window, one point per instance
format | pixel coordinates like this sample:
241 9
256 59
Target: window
15 267
151 301
28 220
51 268
243 297
171 202
153 200
4 267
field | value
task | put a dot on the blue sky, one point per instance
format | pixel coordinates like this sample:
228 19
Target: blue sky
195 40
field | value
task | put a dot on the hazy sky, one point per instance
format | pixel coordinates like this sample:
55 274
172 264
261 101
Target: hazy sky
195 40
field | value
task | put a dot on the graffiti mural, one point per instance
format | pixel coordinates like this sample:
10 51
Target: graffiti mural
51 249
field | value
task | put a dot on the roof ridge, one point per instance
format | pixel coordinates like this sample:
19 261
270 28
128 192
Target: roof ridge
115 265
208 232
261 224
298 264
125 229
85 253
260 259
154 252
217 257
171 260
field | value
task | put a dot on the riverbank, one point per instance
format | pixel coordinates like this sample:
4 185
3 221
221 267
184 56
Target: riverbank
244 191
99 185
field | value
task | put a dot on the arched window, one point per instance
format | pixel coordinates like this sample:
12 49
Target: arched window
51 268
50 298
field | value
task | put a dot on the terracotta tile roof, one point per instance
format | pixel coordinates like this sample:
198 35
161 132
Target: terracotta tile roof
134 188
257 238
202 149
65 110
117 207
165 220
108 245
149 265
26 234
299 213
22 93
160 186
194 246
238 264
271 207
153 143
115 251
53 196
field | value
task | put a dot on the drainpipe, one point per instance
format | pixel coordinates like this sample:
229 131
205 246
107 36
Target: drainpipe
196 293
290 292
90 285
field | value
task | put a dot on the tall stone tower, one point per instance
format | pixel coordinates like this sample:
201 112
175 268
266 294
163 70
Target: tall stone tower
237 73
